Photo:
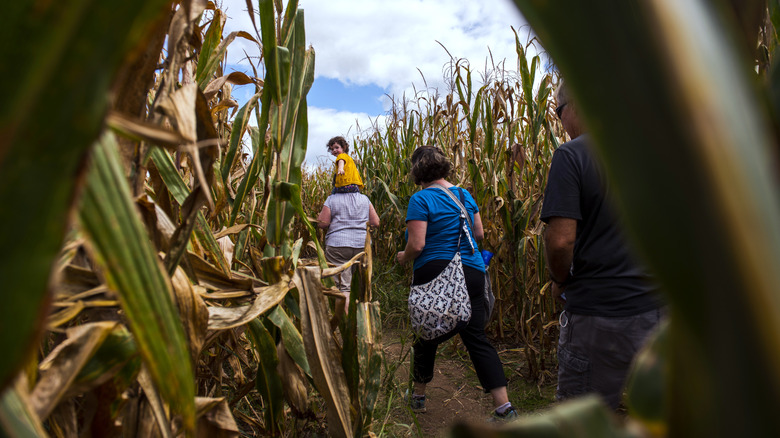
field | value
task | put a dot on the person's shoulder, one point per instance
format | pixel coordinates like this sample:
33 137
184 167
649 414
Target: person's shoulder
577 145
343 156
464 190
420 195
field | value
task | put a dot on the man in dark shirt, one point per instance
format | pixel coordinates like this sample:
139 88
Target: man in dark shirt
612 304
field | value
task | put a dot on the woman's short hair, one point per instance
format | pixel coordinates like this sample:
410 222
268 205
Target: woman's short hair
429 164
340 141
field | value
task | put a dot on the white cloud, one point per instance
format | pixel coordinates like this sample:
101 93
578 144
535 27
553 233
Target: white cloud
385 42
389 44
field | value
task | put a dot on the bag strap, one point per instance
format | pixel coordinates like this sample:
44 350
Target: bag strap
463 211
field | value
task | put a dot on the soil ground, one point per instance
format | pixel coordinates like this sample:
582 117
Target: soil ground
454 395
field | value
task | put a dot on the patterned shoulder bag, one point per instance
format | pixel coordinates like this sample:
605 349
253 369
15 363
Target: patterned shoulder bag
442 305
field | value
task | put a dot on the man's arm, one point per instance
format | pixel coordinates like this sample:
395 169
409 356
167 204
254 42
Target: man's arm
559 237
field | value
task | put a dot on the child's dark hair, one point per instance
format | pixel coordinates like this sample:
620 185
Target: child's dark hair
340 141
429 164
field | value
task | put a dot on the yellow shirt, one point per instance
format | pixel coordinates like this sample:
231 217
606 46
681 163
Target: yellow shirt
351 175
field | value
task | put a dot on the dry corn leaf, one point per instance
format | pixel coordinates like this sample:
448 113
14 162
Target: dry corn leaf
293 380
192 310
222 318
233 230
337 270
156 405
223 105
215 418
236 77
210 276
63 420
62 365
322 352
227 246
180 109
144 131
63 316
75 279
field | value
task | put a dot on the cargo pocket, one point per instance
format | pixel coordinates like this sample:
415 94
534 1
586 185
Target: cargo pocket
573 374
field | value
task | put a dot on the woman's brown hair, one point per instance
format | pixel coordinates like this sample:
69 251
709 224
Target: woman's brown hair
429 164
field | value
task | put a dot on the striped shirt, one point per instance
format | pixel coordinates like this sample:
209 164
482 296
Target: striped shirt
348 218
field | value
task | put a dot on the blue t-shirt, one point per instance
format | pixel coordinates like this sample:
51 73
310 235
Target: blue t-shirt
443 216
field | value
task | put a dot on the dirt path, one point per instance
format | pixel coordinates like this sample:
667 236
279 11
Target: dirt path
453 395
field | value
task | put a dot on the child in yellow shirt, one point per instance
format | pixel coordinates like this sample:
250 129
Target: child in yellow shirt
346 179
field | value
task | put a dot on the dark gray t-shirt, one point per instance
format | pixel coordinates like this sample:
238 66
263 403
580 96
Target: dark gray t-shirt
605 279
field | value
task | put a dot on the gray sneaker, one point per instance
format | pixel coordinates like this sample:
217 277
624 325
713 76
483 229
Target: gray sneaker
416 403
508 415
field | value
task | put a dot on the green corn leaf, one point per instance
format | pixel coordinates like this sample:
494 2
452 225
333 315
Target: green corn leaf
179 190
64 42
251 177
291 337
474 117
369 349
645 388
272 82
17 418
488 128
525 76
289 19
268 384
586 417
240 124
207 61
122 247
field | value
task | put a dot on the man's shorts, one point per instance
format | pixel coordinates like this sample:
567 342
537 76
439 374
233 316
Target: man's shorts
595 352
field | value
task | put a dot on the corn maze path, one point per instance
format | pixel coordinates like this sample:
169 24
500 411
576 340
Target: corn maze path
454 394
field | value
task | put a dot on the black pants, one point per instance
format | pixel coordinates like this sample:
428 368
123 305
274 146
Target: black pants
488 366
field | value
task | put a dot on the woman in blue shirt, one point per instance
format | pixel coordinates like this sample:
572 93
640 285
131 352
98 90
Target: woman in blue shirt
433 227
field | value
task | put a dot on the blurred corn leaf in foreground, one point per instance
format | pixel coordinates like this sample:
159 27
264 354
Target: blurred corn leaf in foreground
672 104
59 61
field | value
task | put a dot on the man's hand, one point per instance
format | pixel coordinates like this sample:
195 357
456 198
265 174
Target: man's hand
400 257
557 291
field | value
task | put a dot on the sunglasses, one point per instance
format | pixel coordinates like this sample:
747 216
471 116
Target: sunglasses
559 109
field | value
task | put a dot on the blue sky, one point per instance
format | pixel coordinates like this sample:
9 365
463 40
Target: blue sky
367 49
332 93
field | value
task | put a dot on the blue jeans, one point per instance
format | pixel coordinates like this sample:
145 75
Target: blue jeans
595 352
